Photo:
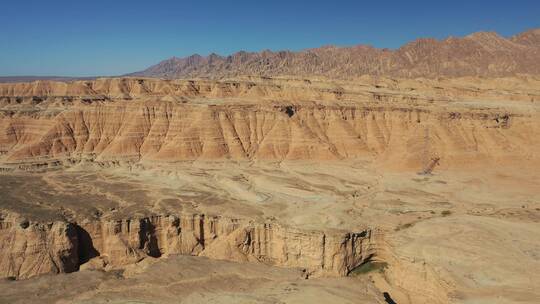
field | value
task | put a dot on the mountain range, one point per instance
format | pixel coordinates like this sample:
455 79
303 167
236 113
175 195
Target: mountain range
479 54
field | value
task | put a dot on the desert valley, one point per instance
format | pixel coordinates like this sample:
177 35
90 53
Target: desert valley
331 175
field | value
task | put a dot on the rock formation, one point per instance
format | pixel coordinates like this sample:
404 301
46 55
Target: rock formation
29 249
153 120
33 248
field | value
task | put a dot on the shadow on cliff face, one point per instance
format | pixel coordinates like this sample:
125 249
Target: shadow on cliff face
147 238
388 299
86 249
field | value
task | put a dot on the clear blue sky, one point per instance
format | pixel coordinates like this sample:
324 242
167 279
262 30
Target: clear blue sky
95 37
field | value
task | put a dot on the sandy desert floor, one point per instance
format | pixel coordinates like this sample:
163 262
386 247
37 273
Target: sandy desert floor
471 236
185 279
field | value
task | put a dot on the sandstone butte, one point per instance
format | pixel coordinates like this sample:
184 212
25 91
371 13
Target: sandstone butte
376 189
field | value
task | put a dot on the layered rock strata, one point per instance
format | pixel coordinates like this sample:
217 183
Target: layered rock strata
32 248
131 120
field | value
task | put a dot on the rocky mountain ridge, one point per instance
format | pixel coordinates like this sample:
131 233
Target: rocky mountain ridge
479 54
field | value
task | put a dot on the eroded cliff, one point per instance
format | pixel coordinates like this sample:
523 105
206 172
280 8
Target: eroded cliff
139 120
30 249
33 248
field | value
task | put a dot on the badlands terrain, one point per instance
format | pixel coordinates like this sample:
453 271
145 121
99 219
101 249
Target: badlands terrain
270 190
417 184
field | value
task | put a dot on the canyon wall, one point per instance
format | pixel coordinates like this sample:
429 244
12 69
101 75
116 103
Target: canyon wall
29 249
33 248
164 131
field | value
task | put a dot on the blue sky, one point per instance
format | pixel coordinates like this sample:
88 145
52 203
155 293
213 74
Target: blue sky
84 38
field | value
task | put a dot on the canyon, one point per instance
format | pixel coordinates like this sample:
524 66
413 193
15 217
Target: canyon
273 188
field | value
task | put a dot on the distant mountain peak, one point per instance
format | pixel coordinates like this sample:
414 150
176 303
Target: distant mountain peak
530 37
478 54
484 35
